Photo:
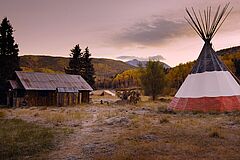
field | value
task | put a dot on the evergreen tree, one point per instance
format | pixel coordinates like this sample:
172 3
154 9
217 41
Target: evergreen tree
81 64
153 78
9 60
76 62
88 74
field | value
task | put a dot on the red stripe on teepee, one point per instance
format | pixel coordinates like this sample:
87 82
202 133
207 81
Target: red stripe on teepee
205 104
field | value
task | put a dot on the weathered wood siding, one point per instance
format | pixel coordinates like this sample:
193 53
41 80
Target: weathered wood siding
49 98
85 97
68 99
40 98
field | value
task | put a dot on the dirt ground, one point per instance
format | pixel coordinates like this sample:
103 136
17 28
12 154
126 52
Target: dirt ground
142 131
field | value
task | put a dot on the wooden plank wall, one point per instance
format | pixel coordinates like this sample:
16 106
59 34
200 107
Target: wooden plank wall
85 97
51 98
35 98
68 99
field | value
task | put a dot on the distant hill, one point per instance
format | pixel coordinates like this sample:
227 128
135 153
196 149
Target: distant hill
231 50
136 63
103 67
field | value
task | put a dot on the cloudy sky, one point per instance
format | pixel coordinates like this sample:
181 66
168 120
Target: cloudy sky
113 28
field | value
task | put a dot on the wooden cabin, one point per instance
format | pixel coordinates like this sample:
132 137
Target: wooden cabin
46 89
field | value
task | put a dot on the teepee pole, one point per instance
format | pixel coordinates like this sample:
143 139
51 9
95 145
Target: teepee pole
203 25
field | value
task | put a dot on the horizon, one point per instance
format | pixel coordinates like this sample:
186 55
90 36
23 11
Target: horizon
113 29
126 60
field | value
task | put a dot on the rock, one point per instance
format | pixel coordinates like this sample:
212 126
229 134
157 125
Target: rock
72 158
89 149
117 121
148 137
108 148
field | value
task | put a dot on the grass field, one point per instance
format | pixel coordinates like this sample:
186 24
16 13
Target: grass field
111 131
20 139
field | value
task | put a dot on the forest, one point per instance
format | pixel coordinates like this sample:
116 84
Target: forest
176 75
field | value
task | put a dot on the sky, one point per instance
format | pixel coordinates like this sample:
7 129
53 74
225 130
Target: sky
115 28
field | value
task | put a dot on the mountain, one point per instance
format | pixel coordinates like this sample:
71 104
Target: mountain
104 68
136 63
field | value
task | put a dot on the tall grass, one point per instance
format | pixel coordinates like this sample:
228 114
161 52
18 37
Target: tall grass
19 139
60 117
2 114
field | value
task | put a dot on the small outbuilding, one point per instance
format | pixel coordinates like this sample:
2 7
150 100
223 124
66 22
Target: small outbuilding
47 89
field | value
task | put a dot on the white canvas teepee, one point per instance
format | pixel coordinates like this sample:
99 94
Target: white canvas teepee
210 86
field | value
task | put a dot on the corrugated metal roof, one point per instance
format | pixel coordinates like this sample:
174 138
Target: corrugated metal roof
67 90
14 84
48 81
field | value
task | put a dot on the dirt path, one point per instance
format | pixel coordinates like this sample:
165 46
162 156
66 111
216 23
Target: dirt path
79 144
90 134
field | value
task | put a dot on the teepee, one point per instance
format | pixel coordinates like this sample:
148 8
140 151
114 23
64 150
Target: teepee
210 86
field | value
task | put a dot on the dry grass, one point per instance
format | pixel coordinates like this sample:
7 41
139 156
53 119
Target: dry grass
20 139
214 134
151 132
53 115
2 114
58 117
160 135
164 120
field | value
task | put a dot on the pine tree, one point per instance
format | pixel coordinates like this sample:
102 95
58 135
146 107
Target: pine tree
81 64
76 62
88 74
9 60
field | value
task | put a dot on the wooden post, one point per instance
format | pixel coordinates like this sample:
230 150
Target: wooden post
57 96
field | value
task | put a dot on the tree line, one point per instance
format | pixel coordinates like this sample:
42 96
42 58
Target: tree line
154 80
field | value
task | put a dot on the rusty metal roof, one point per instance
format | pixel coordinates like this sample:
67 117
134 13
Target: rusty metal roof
49 81
14 84
67 90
